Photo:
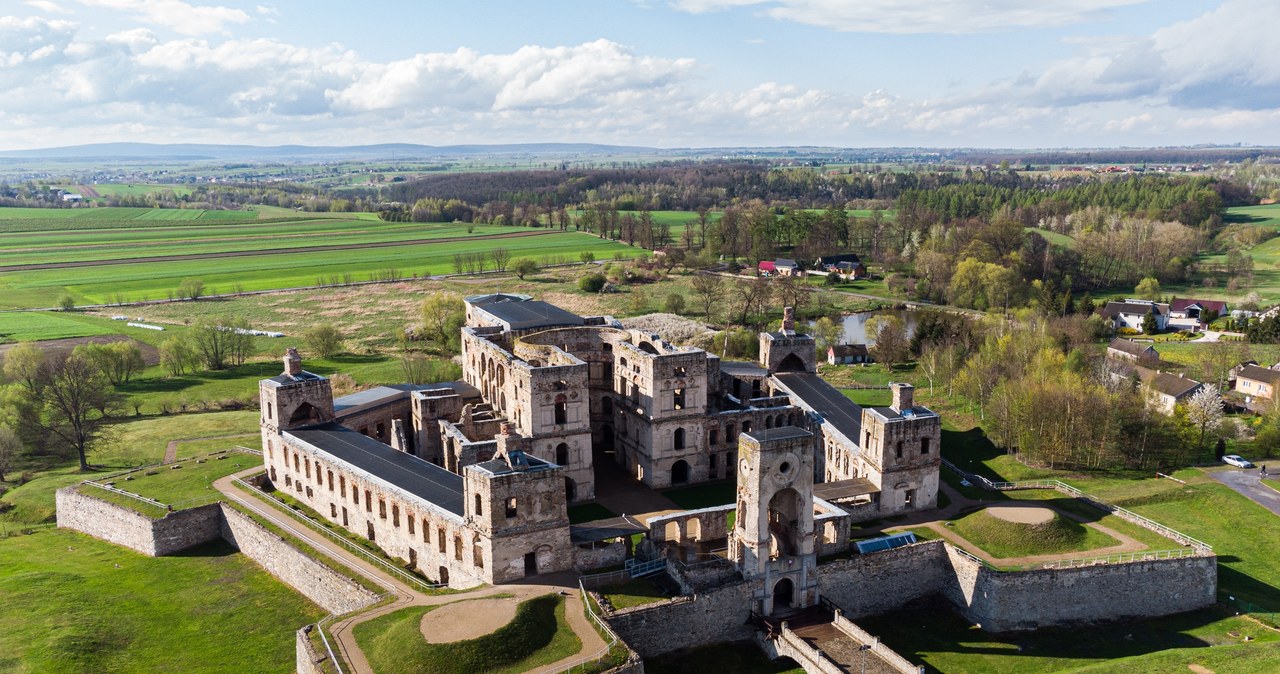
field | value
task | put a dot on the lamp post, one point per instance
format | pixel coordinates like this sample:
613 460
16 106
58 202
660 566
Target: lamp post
863 657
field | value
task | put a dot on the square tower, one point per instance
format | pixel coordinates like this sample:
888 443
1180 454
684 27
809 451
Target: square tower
295 397
774 532
786 350
903 443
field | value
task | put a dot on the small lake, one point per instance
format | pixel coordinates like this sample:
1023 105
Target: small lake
855 325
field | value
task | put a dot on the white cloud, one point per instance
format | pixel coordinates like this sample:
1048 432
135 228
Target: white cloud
47 6
179 16
919 16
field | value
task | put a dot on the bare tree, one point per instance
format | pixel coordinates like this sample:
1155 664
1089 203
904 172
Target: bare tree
708 288
501 256
10 447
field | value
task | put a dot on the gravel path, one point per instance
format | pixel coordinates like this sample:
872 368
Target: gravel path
405 596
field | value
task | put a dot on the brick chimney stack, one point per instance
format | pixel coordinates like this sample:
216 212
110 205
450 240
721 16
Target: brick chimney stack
292 362
789 321
903 397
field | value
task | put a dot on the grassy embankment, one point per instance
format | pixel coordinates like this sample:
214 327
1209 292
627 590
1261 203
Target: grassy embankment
181 485
538 635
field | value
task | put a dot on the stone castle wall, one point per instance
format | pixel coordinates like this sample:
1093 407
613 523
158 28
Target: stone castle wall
184 529
865 585
711 617
315 581
176 531
1025 600
307 660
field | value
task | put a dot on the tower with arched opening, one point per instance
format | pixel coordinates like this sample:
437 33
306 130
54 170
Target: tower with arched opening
773 537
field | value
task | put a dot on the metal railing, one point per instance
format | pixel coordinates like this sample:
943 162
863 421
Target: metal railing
611 638
338 538
1121 558
320 626
148 501
1145 522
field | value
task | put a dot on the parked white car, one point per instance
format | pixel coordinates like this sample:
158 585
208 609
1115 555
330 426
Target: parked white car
1237 460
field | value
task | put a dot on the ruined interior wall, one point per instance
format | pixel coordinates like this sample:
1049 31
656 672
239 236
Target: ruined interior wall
715 616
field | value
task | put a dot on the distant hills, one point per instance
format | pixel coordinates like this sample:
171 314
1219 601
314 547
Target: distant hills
196 151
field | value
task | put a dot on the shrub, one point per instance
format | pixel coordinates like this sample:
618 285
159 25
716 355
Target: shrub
524 266
67 303
592 283
674 304
324 340
1127 332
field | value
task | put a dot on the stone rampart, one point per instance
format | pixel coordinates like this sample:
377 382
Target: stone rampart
878 582
1026 600
307 659
174 532
315 581
711 617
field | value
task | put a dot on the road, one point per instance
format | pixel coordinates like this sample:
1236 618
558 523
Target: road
1249 483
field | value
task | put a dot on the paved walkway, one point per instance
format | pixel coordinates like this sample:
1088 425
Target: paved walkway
843 649
404 595
1249 483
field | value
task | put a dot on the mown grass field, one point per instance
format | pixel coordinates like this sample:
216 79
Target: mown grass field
75 604
31 326
1002 539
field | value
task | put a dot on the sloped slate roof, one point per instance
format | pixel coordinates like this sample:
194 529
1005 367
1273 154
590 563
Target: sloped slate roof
1129 346
1262 374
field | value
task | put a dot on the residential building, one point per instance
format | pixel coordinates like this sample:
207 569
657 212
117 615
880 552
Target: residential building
848 354
1257 382
1130 314
1126 349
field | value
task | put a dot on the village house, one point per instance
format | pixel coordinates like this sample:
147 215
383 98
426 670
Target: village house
786 267
1196 309
1130 314
846 264
1126 349
848 354
766 268
1257 382
1165 390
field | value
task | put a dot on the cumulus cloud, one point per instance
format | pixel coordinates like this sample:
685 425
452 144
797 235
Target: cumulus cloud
179 16
919 16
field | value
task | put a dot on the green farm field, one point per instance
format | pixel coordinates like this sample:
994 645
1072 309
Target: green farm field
144 280
31 326
30 248
45 219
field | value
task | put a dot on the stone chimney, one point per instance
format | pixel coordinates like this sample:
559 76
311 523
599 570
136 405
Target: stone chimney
292 362
903 397
511 447
398 441
789 321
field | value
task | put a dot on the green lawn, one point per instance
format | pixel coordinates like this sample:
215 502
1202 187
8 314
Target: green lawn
633 592
537 636
589 512
73 603
128 444
933 633
1002 539
185 484
29 326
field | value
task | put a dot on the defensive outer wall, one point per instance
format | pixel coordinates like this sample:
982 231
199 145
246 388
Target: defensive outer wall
999 601
183 529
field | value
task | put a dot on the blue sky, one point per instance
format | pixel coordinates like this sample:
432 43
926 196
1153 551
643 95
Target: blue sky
666 73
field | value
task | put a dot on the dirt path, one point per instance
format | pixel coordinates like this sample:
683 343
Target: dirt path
404 596
467 619
267 251
171 449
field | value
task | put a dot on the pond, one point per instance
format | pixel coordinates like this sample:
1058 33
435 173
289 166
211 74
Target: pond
855 325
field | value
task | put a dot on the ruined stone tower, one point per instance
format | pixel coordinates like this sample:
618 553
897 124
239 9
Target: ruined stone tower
294 397
902 447
774 533
786 350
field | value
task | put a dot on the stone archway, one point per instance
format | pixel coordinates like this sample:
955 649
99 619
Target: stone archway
680 472
783 594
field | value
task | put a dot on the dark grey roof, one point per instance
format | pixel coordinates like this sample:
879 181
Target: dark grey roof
1129 346
778 433
482 300
784 262
420 478
283 378
1114 308
836 259
603 530
531 314
1261 374
823 398
381 395
739 368
842 350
